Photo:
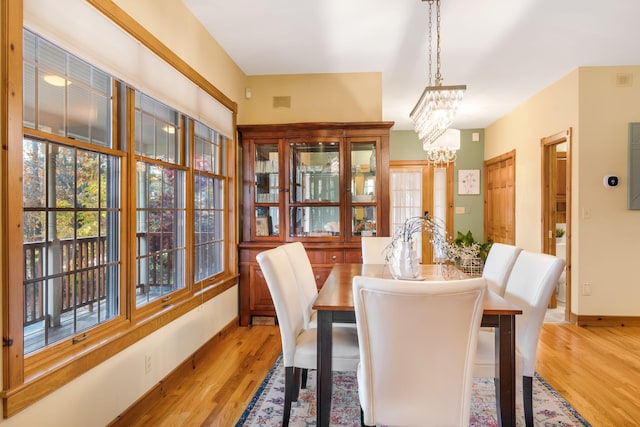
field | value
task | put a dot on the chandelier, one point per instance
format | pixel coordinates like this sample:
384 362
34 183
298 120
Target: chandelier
438 104
443 150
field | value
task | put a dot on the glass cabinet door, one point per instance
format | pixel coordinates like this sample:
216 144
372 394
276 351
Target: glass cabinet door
267 190
314 191
363 188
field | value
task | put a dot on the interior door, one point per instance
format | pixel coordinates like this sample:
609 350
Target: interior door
500 199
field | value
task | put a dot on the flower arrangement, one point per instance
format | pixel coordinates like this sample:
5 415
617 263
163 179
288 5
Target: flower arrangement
468 254
465 246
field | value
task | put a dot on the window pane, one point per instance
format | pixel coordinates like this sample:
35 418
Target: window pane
33 171
209 226
51 105
157 130
62 161
78 118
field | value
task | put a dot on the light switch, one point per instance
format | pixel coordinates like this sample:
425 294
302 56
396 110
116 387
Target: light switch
460 210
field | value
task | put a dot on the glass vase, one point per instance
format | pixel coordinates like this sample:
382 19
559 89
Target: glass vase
405 264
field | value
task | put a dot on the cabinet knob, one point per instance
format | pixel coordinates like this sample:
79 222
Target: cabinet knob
317 277
334 257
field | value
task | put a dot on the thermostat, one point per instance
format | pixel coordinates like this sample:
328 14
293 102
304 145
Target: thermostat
610 181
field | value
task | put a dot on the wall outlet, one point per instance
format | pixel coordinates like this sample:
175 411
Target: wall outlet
586 289
147 363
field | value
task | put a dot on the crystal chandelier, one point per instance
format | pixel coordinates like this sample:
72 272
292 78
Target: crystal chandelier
444 149
438 104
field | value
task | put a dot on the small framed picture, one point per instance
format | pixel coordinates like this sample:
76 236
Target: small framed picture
262 226
469 181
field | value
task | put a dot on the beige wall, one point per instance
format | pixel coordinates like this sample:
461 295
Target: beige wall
608 244
314 97
604 245
552 110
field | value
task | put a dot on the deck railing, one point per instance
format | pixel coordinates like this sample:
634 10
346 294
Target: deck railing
71 276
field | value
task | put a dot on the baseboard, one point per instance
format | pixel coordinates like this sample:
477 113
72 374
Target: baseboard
159 391
610 321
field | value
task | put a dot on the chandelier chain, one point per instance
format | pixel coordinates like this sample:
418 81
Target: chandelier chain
438 75
430 41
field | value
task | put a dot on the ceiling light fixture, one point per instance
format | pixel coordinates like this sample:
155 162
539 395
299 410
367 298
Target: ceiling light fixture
438 104
55 80
444 149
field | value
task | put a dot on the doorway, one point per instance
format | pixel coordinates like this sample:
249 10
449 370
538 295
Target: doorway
556 211
417 188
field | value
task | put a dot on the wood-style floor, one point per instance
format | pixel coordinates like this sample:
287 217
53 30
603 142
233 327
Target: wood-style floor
597 370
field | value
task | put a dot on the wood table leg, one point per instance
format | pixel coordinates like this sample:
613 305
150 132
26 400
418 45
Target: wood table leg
324 374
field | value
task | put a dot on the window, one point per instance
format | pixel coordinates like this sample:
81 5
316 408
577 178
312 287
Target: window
71 203
208 202
160 201
106 233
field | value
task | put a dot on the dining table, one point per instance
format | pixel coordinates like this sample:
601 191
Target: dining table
334 304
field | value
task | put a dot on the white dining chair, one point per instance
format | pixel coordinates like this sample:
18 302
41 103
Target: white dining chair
305 279
299 344
417 345
373 249
532 281
498 265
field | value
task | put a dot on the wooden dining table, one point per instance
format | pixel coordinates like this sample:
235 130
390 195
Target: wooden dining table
335 304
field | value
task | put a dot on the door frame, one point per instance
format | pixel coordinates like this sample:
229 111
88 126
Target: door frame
548 237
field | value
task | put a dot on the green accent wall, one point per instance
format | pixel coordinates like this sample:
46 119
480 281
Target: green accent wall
468 210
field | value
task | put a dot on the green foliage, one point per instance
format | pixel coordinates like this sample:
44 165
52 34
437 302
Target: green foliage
468 240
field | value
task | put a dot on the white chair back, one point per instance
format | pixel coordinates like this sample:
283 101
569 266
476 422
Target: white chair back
417 344
498 266
281 281
532 281
373 249
305 278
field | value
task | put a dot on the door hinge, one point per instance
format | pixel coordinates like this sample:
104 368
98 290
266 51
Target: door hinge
7 342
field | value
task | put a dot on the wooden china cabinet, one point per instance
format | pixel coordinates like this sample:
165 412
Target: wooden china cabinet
323 184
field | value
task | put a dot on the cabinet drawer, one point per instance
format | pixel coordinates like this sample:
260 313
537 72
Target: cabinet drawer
317 256
334 257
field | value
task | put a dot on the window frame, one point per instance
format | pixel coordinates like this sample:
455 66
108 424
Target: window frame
28 379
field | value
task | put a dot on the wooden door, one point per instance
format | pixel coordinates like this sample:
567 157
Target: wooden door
500 198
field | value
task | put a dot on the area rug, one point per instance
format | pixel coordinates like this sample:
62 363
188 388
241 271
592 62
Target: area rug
265 409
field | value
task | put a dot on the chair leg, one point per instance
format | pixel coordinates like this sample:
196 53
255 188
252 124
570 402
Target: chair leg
296 385
305 373
289 384
527 395
362 419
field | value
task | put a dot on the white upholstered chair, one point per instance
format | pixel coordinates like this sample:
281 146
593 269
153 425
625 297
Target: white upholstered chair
417 346
498 265
299 344
373 249
306 280
532 280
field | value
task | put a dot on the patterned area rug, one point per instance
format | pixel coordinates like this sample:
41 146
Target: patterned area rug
265 409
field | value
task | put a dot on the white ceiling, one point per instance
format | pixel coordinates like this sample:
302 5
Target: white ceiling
505 51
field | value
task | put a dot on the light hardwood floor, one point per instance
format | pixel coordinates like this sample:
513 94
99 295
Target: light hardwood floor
597 370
